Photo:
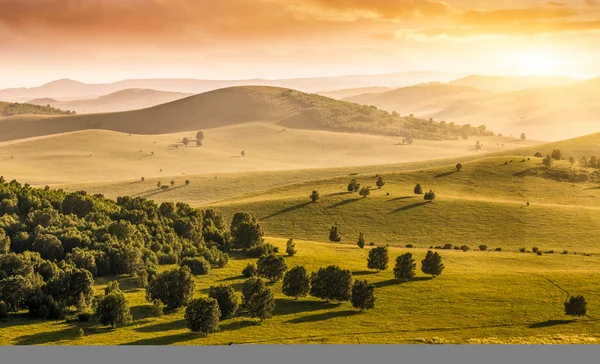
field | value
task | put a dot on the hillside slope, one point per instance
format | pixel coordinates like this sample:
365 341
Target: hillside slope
130 99
511 83
350 92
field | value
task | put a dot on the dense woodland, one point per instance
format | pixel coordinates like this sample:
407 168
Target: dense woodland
345 116
16 108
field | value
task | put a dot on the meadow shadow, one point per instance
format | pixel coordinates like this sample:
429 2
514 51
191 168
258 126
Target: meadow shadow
364 272
401 198
323 316
344 202
237 325
234 278
166 340
338 194
287 306
446 174
393 281
409 207
287 209
550 323
163 326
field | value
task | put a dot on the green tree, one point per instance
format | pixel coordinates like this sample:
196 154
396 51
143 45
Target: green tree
405 267
250 288
432 264
197 265
378 258
4 242
556 154
458 167
296 282
380 182
523 136
200 135
271 267
226 298
572 160
49 247
353 186
548 161
429 196
245 231
331 284
262 304
576 306
157 308
250 271
361 240
185 141
202 315
365 191
334 234
113 310
3 311
363 297
14 292
314 196
174 287
418 190
290 248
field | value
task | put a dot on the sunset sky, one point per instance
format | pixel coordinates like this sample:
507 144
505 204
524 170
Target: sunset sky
109 40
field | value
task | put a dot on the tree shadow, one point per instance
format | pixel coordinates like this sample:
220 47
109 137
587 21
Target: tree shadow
164 326
236 286
235 278
394 281
159 191
591 188
323 316
287 209
446 174
70 333
550 323
338 194
364 272
344 202
167 340
19 319
409 207
401 198
287 306
237 325
140 312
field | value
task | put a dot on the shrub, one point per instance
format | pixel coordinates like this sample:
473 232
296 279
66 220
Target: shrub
458 167
576 306
14 291
261 304
202 315
539 252
113 310
550 252
432 264
197 265
365 191
409 246
363 295
250 271
405 267
456 247
262 249
331 284
522 250
483 247
429 196
296 282
565 252
498 249
250 288
539 155
464 248
271 267
535 249
448 247
314 196
371 244
378 258
361 240
226 299
334 234
418 190
290 248
380 182
157 308
174 287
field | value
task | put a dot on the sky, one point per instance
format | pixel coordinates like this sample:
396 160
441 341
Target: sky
98 41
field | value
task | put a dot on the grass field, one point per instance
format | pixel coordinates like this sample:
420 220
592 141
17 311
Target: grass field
481 297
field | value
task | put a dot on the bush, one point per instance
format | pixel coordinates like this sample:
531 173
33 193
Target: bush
483 247
271 267
378 258
365 191
14 292
539 252
535 249
296 282
465 248
429 196
363 295
576 306
250 288
522 250
458 167
331 284
174 287
405 267
113 310
448 247
418 190
202 315
334 234
361 240
157 308
250 271
565 252
226 299
262 249
197 265
432 264
371 244
380 182
290 248
314 196
261 304
498 249
456 247
409 246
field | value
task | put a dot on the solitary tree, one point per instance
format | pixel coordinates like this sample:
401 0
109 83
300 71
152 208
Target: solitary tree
458 167
331 284
548 161
380 182
576 306
290 247
418 190
432 264
250 271
200 135
271 267
353 186
314 196
262 304
556 154
296 282
365 191
245 231
429 196
202 315
405 267
226 299
572 160
158 184
187 182
378 258
243 153
523 136
174 287
334 234
363 297
185 141
172 182
361 240
113 310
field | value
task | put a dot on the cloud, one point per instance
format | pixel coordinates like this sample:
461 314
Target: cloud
388 9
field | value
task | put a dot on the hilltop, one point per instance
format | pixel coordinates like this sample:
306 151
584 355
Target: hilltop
237 105
130 99
14 108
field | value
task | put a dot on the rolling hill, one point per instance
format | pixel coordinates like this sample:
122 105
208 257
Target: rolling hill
350 92
511 83
130 99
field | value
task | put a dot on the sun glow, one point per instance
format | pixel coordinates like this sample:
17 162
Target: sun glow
538 64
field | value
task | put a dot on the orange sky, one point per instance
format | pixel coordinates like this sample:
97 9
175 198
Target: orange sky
108 40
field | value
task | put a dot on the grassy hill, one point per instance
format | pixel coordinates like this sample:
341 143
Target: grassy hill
14 108
349 92
481 298
130 99
238 105
511 83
